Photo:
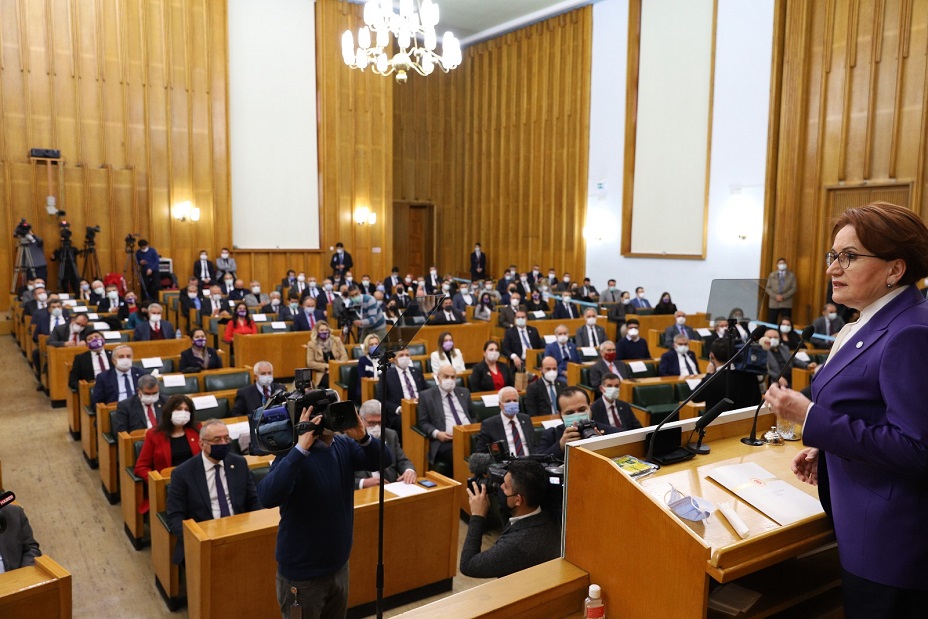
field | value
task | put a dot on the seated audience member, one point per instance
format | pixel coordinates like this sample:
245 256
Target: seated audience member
610 410
141 411
606 364
590 334
639 301
536 303
446 354
308 316
588 291
519 339
190 300
829 323
563 352
401 468
564 284
71 334
679 328
574 406
229 486
242 323
120 381
463 298
564 309
679 360
49 318
272 307
97 292
490 289
742 388
484 309
256 298
238 291
18 547
225 264
204 270
404 381
788 335
391 312
490 374
777 357
665 306
524 286
400 296
26 293
366 287
618 313
83 291
611 294
155 328
111 303
171 443
299 286
447 315
216 306
227 285
199 356
531 537
632 346
288 311
288 281
249 398
140 315
88 364
38 301
741 327
322 348
368 367
541 395
129 310
510 425
393 280
719 330
507 313
440 409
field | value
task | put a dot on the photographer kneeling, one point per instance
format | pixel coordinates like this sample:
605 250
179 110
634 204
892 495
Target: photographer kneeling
574 405
314 487
530 538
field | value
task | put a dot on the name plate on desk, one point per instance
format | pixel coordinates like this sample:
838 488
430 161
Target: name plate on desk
550 338
205 401
588 351
638 366
79 308
704 332
174 380
279 324
92 316
111 335
538 314
401 488
490 400
101 326
259 317
64 296
152 362
69 303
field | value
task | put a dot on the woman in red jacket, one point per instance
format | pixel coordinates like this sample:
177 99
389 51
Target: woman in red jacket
174 440
241 323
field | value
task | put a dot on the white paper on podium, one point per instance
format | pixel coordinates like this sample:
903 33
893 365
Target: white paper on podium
79 308
552 423
205 401
550 338
237 429
401 488
111 335
638 366
538 314
152 362
174 380
279 324
259 317
778 500
803 356
704 332
490 400
588 351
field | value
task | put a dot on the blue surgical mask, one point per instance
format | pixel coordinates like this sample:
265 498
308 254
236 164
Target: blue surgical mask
688 507
574 419
511 408
219 451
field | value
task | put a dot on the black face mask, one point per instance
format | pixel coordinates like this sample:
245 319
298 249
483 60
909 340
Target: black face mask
219 451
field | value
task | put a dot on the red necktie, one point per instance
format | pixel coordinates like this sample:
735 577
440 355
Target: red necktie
74 337
312 321
100 361
267 393
516 439
151 416
615 416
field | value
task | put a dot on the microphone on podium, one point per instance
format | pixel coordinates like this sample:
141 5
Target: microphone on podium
705 420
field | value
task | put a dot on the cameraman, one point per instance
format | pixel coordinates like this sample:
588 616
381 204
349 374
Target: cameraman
574 405
314 487
530 538
150 268
36 248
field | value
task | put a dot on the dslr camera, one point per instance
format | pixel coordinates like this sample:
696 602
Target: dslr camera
587 428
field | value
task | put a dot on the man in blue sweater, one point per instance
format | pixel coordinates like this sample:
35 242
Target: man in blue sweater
314 487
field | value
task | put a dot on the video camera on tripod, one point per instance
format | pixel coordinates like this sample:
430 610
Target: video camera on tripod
23 231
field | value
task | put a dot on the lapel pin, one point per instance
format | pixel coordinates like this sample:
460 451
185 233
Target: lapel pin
231 466
859 344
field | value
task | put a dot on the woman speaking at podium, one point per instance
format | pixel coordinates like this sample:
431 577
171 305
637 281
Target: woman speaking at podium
867 424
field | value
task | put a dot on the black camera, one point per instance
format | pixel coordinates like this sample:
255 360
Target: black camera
587 428
65 230
22 229
276 427
91 232
489 470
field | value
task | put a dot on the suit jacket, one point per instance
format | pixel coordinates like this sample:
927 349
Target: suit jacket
107 306
106 389
869 422
252 300
400 463
460 303
670 363
301 322
17 545
554 350
432 413
200 274
188 360
188 495
344 260
600 414
640 303
492 430
439 318
247 399
43 322
130 414
285 313
394 396
478 265
512 341
156 455
537 399
61 335
611 295
601 368
482 380
206 308
82 368
618 312
143 331
819 325
789 289
776 360
526 542
550 442
565 313
674 330
582 337
507 316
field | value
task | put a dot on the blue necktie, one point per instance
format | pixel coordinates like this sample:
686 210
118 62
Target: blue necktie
221 494
127 385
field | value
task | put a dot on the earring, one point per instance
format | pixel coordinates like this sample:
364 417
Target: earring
889 284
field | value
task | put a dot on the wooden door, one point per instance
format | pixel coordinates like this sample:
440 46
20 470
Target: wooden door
413 237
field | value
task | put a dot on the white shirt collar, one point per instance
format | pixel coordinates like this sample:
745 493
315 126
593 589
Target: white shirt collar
515 519
207 464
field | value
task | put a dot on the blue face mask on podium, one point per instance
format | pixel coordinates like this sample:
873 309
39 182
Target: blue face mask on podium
688 507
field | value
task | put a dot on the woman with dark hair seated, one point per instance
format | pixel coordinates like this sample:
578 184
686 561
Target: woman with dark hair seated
665 305
199 356
489 374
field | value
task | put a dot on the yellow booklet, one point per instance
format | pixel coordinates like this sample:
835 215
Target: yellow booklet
635 467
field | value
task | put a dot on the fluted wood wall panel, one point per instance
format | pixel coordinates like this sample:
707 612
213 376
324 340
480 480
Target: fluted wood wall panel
500 146
851 110
133 94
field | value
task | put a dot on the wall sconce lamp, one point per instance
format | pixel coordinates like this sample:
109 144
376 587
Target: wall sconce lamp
364 215
182 211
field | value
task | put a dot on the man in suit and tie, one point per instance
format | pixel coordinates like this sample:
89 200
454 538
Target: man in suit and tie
680 328
46 319
204 270
190 299
288 282
38 301
519 338
273 306
154 328
507 313
120 381
18 547
394 280
564 309
639 301
300 285
401 469
215 484
510 425
71 334
574 406
403 382
143 410
478 263
448 315
610 410
215 306
590 334
829 323
440 409
611 294
308 316
341 262
563 352
247 399
463 299
541 395
88 364
679 360
781 286
606 364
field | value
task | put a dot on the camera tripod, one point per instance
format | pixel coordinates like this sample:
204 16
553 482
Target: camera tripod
92 268
131 272
67 267
24 269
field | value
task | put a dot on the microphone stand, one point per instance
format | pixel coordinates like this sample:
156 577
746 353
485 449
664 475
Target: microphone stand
755 335
384 364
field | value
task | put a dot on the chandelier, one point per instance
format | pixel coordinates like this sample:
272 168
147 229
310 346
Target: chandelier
406 27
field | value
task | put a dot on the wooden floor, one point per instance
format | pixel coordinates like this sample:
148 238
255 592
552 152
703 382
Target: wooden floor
71 519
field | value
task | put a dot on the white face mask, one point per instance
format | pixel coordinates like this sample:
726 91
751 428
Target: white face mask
403 362
75 328
550 376
832 316
216 297
447 384
682 348
224 254
256 289
626 301
154 318
265 380
611 393
632 332
492 355
180 418
301 278
566 279
202 256
99 291
681 320
640 295
774 342
112 295
229 282
514 302
591 321
56 312
445 287
785 328
520 322
147 399
562 339
721 331
781 266
374 431
123 364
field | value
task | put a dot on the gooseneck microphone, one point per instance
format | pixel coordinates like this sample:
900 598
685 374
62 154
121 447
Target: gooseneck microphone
756 334
752 440
705 420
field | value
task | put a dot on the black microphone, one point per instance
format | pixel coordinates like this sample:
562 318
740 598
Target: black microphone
5 499
752 440
479 464
756 334
705 420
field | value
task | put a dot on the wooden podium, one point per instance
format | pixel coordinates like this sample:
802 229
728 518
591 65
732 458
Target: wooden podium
40 590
